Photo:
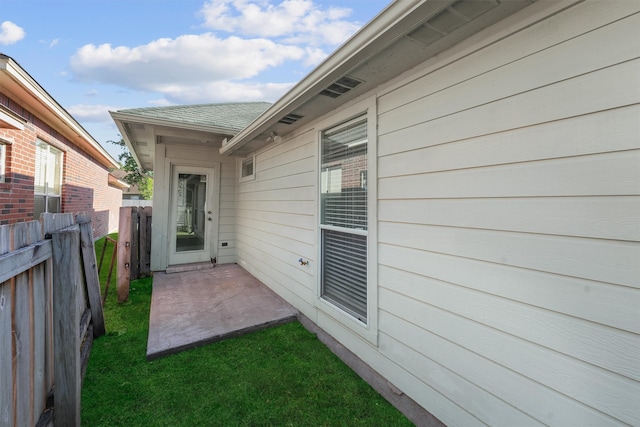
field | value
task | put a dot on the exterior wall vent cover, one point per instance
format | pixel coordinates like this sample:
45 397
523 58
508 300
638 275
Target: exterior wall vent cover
340 87
290 118
453 17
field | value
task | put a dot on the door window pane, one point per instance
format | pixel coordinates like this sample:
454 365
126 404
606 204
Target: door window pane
190 215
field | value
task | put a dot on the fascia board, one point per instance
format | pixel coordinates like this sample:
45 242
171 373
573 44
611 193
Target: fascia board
75 131
379 33
119 121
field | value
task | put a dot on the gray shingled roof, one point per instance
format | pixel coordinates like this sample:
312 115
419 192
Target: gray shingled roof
232 116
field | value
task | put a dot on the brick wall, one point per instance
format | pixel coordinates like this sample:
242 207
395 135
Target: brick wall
85 181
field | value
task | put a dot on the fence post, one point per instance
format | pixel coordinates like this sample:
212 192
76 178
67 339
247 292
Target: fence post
67 276
145 241
124 254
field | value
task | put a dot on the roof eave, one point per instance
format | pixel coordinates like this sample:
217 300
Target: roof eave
366 42
155 121
53 112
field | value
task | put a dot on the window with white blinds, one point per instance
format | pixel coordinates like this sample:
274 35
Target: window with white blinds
343 217
48 179
3 161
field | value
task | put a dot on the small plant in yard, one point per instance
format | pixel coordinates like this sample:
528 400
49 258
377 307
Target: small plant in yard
282 376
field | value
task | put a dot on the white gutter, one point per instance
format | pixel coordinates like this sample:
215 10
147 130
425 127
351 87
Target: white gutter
22 78
373 37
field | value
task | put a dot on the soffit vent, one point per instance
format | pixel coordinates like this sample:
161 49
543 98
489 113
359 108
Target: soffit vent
450 19
340 87
130 128
290 118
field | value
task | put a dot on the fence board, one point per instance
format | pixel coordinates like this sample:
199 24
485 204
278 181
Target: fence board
39 340
22 336
146 215
6 370
14 263
91 273
27 365
20 331
66 275
124 254
135 243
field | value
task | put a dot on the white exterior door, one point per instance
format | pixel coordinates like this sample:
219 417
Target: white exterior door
192 210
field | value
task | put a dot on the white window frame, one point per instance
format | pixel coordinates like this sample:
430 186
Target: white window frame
3 161
368 331
241 162
47 194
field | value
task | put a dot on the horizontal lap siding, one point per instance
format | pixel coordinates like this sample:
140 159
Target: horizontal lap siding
276 220
509 225
227 223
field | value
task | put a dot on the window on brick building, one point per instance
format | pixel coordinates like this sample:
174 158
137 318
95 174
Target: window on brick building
48 180
3 161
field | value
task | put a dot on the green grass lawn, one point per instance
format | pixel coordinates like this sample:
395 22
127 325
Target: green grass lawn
282 376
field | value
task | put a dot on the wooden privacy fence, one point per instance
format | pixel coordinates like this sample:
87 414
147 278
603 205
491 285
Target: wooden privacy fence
50 311
134 247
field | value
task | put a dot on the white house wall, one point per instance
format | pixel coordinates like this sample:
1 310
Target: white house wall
508 223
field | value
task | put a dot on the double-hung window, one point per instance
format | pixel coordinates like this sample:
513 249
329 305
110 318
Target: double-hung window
48 180
343 217
3 161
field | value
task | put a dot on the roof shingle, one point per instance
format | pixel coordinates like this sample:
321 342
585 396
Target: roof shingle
232 116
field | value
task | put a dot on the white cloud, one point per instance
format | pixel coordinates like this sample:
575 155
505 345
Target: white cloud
162 102
314 56
292 21
10 33
91 112
185 63
225 91
292 35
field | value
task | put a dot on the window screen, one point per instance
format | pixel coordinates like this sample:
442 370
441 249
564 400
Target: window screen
343 222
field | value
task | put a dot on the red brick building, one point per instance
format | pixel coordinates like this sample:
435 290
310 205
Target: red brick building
48 162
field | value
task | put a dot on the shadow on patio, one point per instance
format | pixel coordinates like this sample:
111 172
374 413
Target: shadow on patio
195 308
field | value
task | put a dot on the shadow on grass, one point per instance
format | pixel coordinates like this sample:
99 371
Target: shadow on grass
283 376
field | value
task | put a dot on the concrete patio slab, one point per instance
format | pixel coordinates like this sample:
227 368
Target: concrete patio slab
194 308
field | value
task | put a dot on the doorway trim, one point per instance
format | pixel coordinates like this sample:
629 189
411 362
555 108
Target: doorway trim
209 253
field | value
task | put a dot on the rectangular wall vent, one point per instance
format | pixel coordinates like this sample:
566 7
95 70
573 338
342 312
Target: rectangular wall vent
340 87
290 118
450 19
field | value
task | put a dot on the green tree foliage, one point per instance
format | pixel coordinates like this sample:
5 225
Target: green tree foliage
135 176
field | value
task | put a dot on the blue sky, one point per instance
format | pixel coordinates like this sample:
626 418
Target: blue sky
94 56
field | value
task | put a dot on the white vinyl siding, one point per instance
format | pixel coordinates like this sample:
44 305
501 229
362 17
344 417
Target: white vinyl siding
509 255
276 220
507 237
